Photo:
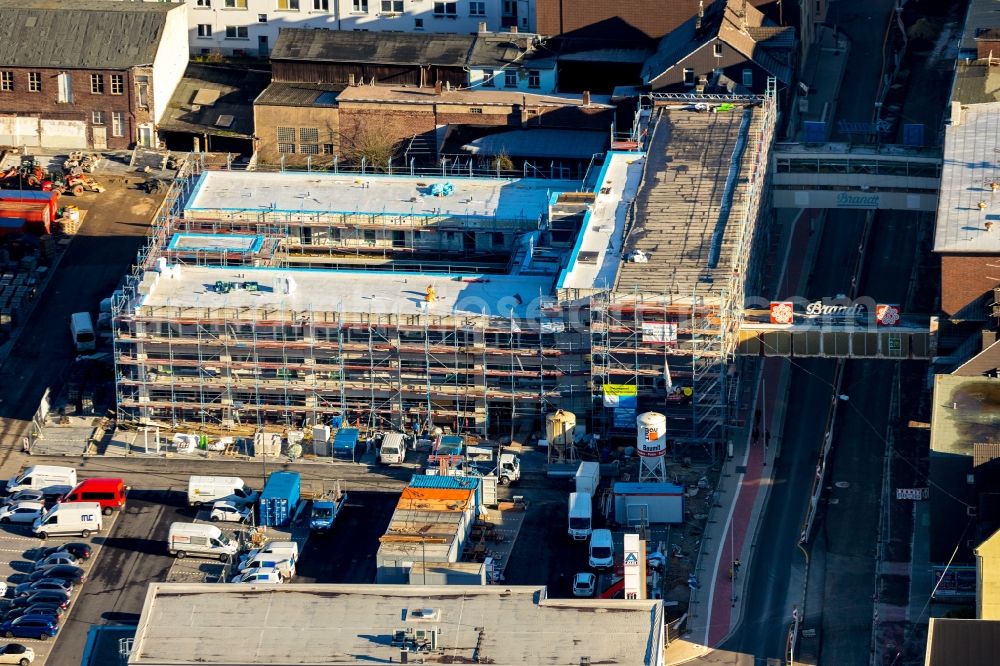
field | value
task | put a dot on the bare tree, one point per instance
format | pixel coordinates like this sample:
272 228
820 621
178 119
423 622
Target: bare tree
371 139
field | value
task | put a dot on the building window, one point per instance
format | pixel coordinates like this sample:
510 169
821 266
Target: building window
477 8
292 5
96 117
65 88
510 78
204 30
449 9
235 4
747 77
286 135
117 123
96 84
392 6
327 149
142 83
203 3
261 18
717 49
117 84
286 147
308 135
418 24
534 78
237 32
6 81
489 78
509 8
321 5
688 76
309 148
360 5
476 109
34 81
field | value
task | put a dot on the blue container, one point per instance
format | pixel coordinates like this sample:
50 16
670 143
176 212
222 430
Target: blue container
451 445
345 443
280 498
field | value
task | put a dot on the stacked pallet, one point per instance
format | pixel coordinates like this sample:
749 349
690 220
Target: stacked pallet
13 296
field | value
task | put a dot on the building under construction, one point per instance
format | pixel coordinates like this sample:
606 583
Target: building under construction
288 299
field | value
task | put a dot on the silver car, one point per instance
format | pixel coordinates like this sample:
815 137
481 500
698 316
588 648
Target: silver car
21 512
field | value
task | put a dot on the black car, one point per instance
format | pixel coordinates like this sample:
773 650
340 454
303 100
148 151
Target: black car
81 551
68 572
52 610
56 597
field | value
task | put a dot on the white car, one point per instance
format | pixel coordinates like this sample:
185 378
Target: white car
22 512
55 558
3 591
583 584
261 575
15 653
229 512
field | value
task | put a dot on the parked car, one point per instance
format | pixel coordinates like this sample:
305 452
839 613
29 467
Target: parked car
15 653
66 571
56 597
55 558
262 575
230 512
583 584
32 586
81 551
26 495
51 610
3 589
30 626
22 512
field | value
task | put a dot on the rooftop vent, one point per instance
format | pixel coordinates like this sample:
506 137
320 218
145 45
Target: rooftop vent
425 614
224 120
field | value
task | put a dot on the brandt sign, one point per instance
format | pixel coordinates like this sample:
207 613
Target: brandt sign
866 201
822 309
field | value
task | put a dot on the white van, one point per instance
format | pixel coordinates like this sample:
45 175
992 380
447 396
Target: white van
602 550
209 489
200 540
581 512
281 563
288 550
393 450
81 326
50 479
83 518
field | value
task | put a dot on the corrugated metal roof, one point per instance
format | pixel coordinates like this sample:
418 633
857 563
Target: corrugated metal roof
376 48
500 49
234 91
301 94
80 35
437 481
280 484
540 143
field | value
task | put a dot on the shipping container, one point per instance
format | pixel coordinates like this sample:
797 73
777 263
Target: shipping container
36 214
280 498
345 443
651 503
450 445
588 477
474 483
50 199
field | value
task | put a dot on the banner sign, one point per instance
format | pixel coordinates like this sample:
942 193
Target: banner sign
887 315
661 333
624 417
620 395
782 312
913 493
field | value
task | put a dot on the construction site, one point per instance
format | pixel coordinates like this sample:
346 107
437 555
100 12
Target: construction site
283 300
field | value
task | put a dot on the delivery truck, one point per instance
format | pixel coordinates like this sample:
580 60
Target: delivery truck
581 515
52 480
345 444
588 477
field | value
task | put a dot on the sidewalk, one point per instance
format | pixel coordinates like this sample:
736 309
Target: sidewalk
823 72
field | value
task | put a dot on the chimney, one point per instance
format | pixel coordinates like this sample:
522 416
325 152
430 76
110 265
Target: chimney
438 87
701 15
513 29
586 98
350 79
956 113
482 26
989 225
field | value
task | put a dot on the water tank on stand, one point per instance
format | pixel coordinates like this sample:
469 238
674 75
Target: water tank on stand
559 428
651 445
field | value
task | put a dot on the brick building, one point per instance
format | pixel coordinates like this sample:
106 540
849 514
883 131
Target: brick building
89 74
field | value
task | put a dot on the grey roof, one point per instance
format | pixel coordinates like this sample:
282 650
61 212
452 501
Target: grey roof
500 49
970 165
377 48
541 143
300 94
618 55
89 34
741 26
207 93
982 15
209 624
966 410
962 642
976 83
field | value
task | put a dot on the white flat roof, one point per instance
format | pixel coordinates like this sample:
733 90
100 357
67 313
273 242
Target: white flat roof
317 192
279 625
605 225
354 291
970 165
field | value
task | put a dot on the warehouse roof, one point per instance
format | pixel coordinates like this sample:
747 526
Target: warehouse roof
476 97
966 411
952 642
504 49
81 35
215 624
214 100
299 94
970 146
376 48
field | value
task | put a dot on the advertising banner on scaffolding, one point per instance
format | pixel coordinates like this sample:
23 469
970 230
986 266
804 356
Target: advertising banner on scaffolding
620 395
659 333
624 418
